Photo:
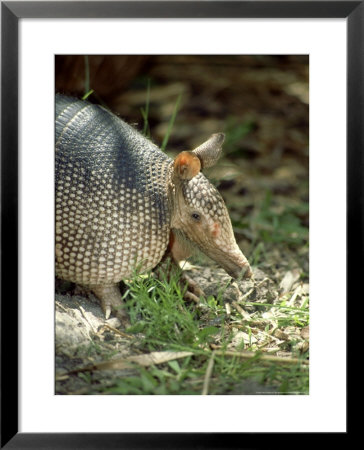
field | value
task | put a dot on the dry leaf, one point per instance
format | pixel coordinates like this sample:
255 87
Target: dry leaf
142 360
288 280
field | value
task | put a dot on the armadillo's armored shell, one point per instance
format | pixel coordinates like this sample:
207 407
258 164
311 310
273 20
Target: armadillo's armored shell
111 196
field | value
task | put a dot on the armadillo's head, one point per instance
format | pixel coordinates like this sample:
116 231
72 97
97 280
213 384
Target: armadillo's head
199 211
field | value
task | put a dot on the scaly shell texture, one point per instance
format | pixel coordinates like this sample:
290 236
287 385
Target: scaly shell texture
111 196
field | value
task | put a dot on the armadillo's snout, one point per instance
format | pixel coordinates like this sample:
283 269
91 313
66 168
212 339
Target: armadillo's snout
236 265
232 261
239 272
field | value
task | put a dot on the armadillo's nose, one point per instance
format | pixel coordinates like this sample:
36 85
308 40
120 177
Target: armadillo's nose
236 264
238 271
233 262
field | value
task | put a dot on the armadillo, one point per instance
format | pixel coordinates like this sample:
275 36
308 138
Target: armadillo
122 203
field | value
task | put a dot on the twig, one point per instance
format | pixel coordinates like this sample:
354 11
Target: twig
208 374
116 331
272 305
62 307
246 295
262 282
249 355
122 363
83 312
241 297
241 310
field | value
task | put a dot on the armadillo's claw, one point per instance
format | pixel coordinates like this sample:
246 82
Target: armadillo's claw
194 292
168 267
190 297
107 310
111 301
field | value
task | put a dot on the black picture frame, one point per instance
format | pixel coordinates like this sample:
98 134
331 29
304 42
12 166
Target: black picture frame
11 12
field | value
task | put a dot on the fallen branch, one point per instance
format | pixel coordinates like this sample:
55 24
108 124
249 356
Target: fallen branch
152 358
241 311
208 374
262 357
144 360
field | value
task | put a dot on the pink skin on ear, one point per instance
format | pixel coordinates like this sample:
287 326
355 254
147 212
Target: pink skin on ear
187 165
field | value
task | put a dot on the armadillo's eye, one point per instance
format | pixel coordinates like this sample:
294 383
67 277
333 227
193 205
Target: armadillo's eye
196 216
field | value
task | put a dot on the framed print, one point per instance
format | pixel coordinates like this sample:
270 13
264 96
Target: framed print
189 75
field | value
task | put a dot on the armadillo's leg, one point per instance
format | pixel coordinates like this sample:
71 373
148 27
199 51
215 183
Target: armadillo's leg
194 292
81 290
168 267
111 301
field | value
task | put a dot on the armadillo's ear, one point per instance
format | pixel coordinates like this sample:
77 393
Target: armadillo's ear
209 152
186 166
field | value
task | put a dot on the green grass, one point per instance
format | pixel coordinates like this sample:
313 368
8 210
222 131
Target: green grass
235 131
87 75
145 112
157 310
163 321
171 122
87 95
280 227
